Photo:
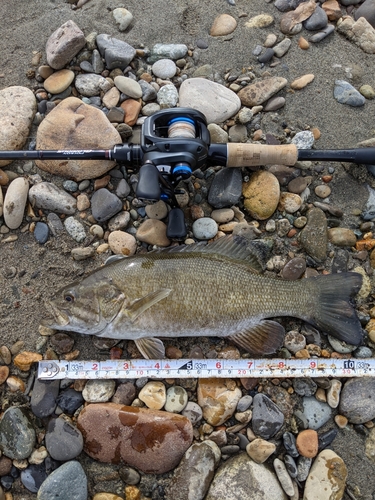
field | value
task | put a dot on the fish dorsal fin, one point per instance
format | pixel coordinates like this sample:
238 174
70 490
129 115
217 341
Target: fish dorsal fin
151 348
232 246
264 338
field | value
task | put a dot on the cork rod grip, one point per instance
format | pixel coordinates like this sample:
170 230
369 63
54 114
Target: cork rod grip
252 155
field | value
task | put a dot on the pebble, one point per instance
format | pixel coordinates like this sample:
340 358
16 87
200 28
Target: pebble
116 223
303 467
43 397
218 399
153 232
122 243
267 417
47 196
313 236
67 482
316 412
104 205
307 443
302 81
17 434
317 21
289 202
294 341
150 440
176 399
25 359
239 475
33 476
283 477
158 210
171 51
345 93
342 237
75 229
153 394
260 450
356 400
117 53
131 109
304 386
15 202
63 440
323 191
195 472
289 442
193 412
304 139
98 391
69 400
204 228
366 10
64 44
222 215
318 37
327 478
111 98
226 188
128 86
282 47
164 68
219 103
291 466
59 81
129 475
262 194
123 18
168 96
259 92
224 24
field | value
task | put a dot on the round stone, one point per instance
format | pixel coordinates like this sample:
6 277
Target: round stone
59 81
204 228
323 191
75 229
177 399
307 443
153 232
153 394
128 86
262 194
98 391
164 68
122 243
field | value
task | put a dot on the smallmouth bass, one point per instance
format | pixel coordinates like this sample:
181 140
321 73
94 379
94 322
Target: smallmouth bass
201 291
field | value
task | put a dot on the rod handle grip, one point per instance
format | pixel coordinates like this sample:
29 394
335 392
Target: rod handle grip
255 155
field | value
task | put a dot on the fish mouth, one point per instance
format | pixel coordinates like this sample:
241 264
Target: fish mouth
60 318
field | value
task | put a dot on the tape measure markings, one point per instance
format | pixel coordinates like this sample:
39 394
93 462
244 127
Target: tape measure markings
206 368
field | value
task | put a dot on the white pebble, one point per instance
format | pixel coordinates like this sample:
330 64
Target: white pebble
204 228
15 202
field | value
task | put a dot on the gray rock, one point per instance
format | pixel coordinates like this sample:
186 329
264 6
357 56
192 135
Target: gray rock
193 412
313 236
285 5
357 401
43 397
304 386
97 62
55 224
122 189
17 435
41 232
240 475
317 21
204 228
238 133
47 196
194 474
366 10
282 48
318 37
117 54
64 44
63 441
316 412
289 442
345 93
170 51
119 221
266 56
218 135
75 229
167 96
148 93
219 103
226 188
68 482
267 417
350 2
303 468
104 205
164 68
90 84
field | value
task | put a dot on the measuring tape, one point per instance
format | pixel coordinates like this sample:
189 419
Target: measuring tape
206 368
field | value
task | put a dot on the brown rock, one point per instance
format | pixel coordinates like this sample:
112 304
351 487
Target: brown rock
111 98
132 109
301 13
218 399
262 194
76 125
4 372
342 237
25 359
151 440
5 466
223 25
153 232
307 443
4 179
332 9
301 82
59 81
259 92
303 43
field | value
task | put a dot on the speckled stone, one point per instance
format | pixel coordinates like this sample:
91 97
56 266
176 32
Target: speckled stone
313 236
327 477
151 440
262 194
17 435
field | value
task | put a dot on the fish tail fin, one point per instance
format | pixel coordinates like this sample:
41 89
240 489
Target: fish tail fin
333 312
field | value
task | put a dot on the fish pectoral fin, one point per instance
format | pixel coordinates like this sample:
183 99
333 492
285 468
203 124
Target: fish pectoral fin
264 338
141 305
151 348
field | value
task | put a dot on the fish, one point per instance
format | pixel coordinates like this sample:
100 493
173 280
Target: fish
203 290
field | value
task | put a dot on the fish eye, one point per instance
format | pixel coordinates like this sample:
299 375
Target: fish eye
69 297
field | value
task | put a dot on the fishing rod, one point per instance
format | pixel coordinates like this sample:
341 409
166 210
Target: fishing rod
174 143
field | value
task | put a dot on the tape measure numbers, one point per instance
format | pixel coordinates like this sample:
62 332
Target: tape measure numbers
206 368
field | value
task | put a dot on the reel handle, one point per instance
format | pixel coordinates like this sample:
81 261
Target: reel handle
148 184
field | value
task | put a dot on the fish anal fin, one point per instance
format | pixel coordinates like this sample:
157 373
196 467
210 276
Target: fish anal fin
266 337
151 348
141 305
